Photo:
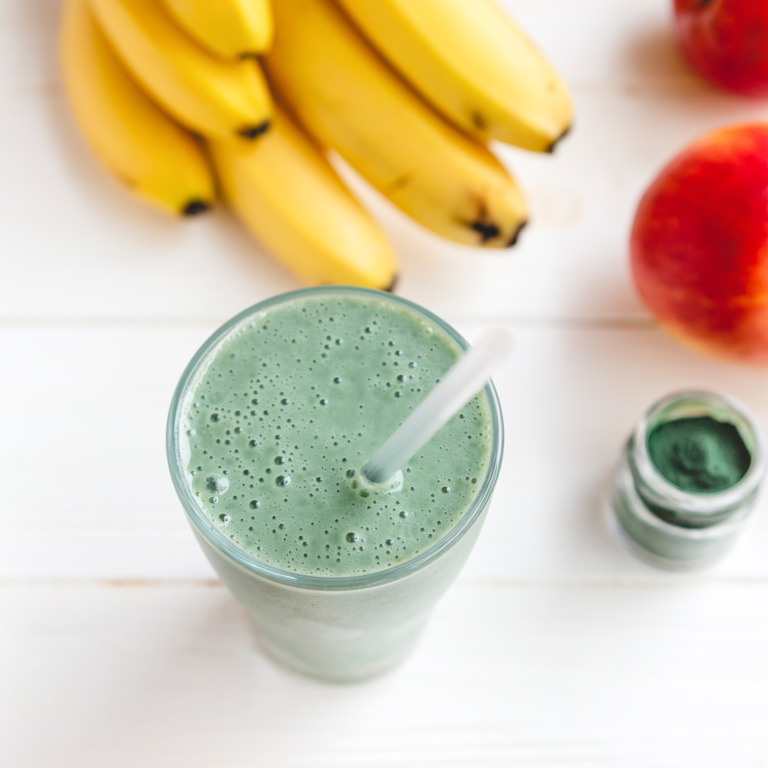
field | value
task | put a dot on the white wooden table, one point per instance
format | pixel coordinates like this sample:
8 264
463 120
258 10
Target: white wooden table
119 648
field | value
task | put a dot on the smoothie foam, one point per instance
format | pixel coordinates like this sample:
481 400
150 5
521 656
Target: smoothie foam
287 408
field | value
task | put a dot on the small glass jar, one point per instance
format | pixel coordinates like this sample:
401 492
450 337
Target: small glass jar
670 527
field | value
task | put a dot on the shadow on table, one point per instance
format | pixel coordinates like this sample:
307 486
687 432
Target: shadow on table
653 52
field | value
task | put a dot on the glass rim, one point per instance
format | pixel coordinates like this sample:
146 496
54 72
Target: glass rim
250 562
700 506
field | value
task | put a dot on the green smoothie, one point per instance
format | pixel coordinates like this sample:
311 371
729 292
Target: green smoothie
290 406
269 428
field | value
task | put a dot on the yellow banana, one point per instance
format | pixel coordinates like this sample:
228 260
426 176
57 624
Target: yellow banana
474 64
232 29
208 95
289 196
147 152
348 98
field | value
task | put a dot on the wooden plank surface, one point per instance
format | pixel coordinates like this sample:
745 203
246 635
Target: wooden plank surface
554 676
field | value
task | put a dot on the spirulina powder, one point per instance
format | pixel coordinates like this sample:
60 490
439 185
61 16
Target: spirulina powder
699 454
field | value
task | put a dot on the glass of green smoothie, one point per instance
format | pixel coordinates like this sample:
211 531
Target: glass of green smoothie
268 430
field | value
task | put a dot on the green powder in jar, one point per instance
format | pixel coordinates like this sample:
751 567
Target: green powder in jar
699 454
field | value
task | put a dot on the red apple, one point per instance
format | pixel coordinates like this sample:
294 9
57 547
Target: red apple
699 244
727 41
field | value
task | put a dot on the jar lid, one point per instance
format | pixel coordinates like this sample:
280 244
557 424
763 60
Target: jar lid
675 504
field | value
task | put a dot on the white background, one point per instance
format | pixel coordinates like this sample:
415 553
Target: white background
555 648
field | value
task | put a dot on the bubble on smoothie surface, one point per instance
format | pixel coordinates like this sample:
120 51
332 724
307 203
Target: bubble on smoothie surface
217 484
289 406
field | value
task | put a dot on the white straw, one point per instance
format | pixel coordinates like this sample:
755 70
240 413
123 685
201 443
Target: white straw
462 382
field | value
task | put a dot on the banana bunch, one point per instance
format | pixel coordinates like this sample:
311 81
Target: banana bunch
171 95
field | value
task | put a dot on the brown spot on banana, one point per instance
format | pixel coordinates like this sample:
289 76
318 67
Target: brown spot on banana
403 180
251 132
487 231
481 224
553 145
391 287
516 234
195 207
478 121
